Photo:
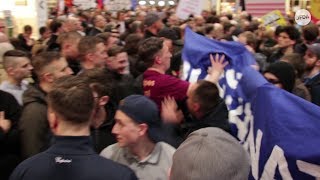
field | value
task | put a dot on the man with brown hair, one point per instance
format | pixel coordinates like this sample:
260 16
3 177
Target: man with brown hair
35 136
93 53
18 67
69 49
70 108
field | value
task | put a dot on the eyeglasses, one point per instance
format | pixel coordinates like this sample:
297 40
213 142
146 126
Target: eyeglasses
273 81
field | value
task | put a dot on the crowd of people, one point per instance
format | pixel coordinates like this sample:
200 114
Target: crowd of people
110 84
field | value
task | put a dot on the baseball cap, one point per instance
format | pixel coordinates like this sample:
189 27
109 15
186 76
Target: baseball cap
141 109
315 49
210 153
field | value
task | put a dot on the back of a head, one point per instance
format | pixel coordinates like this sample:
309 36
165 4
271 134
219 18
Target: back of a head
9 58
148 48
41 61
210 153
72 99
55 25
310 33
100 81
88 45
207 95
131 42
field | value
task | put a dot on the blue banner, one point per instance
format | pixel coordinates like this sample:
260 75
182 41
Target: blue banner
279 130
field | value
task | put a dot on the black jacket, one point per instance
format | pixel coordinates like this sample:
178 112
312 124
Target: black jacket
71 158
313 86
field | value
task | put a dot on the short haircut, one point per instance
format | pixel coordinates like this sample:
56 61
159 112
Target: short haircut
88 45
292 32
251 38
131 42
310 32
55 25
10 56
114 50
104 36
100 81
42 30
148 49
68 37
27 28
44 59
207 95
72 99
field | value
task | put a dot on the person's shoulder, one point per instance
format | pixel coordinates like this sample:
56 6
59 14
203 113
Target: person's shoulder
30 164
110 150
167 148
113 169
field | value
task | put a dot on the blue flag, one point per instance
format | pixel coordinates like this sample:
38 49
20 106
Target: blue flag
280 130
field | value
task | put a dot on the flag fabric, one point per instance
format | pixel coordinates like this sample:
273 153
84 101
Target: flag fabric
279 130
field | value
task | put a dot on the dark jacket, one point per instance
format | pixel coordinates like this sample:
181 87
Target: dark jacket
52 44
23 43
102 136
71 158
313 86
176 134
9 142
94 31
34 127
218 117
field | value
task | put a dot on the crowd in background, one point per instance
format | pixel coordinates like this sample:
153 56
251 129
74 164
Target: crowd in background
122 56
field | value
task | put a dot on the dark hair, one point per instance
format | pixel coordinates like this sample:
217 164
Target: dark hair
148 48
310 32
55 25
44 59
42 30
207 95
100 81
72 99
131 42
27 28
104 36
284 72
7 57
292 32
88 45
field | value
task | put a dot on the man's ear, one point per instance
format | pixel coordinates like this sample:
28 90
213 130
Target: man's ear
103 100
48 77
196 106
53 122
89 56
157 60
10 71
143 129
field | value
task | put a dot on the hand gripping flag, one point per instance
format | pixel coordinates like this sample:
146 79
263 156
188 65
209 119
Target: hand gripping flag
279 130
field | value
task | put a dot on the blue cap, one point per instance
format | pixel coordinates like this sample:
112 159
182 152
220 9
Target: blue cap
141 109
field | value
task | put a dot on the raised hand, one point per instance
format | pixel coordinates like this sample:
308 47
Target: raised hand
170 112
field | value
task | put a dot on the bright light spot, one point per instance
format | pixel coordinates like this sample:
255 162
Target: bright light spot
152 2
171 3
161 3
142 3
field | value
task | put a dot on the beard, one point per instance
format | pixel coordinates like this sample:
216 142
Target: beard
309 67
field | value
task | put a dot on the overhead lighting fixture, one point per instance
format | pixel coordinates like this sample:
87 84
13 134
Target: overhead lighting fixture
161 3
171 3
152 2
142 3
